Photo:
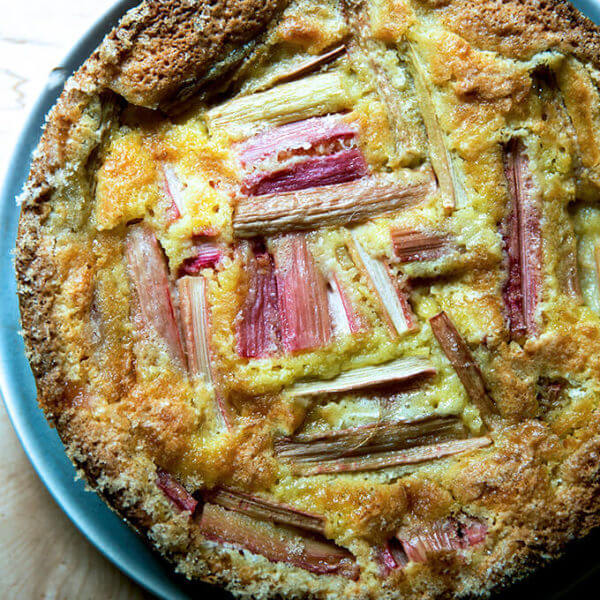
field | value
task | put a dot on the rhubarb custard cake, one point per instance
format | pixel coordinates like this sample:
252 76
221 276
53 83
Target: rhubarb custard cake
310 289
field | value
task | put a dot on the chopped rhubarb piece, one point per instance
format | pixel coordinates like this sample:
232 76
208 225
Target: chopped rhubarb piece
195 314
310 65
339 167
445 534
330 205
258 330
302 294
460 357
266 510
309 97
411 246
172 187
391 556
289 139
522 243
276 543
346 320
175 491
150 277
394 303
450 185
376 446
207 255
395 371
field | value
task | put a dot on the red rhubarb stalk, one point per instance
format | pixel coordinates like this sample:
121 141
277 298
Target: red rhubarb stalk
207 255
522 243
258 329
340 167
277 544
302 294
150 278
175 491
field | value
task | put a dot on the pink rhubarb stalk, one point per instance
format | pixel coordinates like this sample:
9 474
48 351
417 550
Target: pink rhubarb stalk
276 543
175 491
302 294
172 188
522 243
460 357
150 278
258 329
300 137
412 246
195 313
446 534
346 320
340 167
207 255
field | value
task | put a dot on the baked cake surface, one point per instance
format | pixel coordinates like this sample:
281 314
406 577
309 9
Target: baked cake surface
311 289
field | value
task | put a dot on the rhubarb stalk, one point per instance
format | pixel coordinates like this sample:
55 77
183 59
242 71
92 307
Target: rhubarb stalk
150 278
311 96
346 320
449 182
266 509
302 295
277 544
310 65
376 446
522 243
175 491
413 246
460 357
395 305
172 188
288 140
445 534
195 313
394 371
258 329
207 255
329 205
340 167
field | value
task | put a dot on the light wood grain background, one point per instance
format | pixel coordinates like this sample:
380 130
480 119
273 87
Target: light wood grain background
42 555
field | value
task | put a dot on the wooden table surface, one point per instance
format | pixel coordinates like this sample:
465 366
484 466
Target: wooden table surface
42 555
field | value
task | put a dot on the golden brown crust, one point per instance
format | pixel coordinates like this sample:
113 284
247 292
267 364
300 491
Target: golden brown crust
514 485
519 29
166 51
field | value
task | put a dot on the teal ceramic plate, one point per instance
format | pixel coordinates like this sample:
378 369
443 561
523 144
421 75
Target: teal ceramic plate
566 578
